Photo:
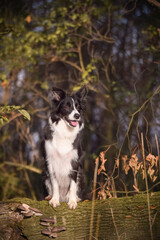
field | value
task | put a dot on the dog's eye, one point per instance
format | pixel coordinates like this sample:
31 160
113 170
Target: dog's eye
68 104
78 106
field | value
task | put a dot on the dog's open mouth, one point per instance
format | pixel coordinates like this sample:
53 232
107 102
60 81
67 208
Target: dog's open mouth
72 123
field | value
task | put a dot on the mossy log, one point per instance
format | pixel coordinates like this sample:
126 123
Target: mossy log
121 218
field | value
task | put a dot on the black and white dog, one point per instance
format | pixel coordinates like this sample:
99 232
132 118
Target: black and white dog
62 149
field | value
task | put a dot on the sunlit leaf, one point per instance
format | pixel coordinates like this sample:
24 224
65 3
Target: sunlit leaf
25 114
44 85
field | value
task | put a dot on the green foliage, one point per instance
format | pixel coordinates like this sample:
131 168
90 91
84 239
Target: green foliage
25 114
6 111
88 75
153 33
8 185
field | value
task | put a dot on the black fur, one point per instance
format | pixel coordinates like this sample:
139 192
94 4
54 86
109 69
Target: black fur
68 110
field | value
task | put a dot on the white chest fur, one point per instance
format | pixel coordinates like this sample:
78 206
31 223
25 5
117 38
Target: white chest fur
60 151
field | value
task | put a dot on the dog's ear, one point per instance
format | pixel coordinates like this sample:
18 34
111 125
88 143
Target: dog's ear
82 93
56 95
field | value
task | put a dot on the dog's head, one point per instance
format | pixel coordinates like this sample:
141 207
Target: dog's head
66 107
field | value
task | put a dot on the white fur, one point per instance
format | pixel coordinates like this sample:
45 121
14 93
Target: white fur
72 203
72 114
60 154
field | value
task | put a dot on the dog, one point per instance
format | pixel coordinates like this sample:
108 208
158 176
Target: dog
62 151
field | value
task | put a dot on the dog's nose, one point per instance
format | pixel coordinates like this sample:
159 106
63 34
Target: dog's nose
76 116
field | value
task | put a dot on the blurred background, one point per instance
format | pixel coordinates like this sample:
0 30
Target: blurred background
113 47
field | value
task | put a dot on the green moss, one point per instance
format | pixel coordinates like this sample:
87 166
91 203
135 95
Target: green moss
129 214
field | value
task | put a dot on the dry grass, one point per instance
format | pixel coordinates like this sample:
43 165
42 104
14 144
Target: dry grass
93 198
148 200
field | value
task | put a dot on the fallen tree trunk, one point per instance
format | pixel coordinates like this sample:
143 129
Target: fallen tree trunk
121 218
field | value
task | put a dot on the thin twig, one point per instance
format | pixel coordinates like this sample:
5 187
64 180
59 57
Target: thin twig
73 65
157 144
134 114
93 198
154 2
80 56
148 200
115 224
97 226
130 10
126 191
22 166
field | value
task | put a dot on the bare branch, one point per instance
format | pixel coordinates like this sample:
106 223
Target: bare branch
22 166
134 114
154 2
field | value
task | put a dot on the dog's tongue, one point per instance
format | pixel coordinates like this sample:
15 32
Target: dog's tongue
74 123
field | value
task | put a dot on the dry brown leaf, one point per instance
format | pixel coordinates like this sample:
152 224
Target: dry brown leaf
128 216
102 194
134 164
28 19
108 192
125 164
152 166
117 162
151 159
109 195
151 171
154 178
103 160
53 59
139 207
4 84
157 160
153 207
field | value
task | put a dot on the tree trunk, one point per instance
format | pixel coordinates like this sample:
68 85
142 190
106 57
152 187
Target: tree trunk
121 218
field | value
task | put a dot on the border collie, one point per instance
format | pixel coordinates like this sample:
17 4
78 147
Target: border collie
62 149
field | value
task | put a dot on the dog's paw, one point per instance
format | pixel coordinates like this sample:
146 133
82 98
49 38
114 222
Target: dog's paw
54 202
72 204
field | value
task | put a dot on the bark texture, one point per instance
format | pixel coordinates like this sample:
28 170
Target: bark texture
122 218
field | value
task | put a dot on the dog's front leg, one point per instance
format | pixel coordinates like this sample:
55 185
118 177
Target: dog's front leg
72 201
54 202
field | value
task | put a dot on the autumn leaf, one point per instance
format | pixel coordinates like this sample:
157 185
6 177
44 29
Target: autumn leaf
109 194
152 166
134 164
153 207
139 207
4 84
53 59
117 162
151 159
28 19
103 160
128 216
126 166
101 194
